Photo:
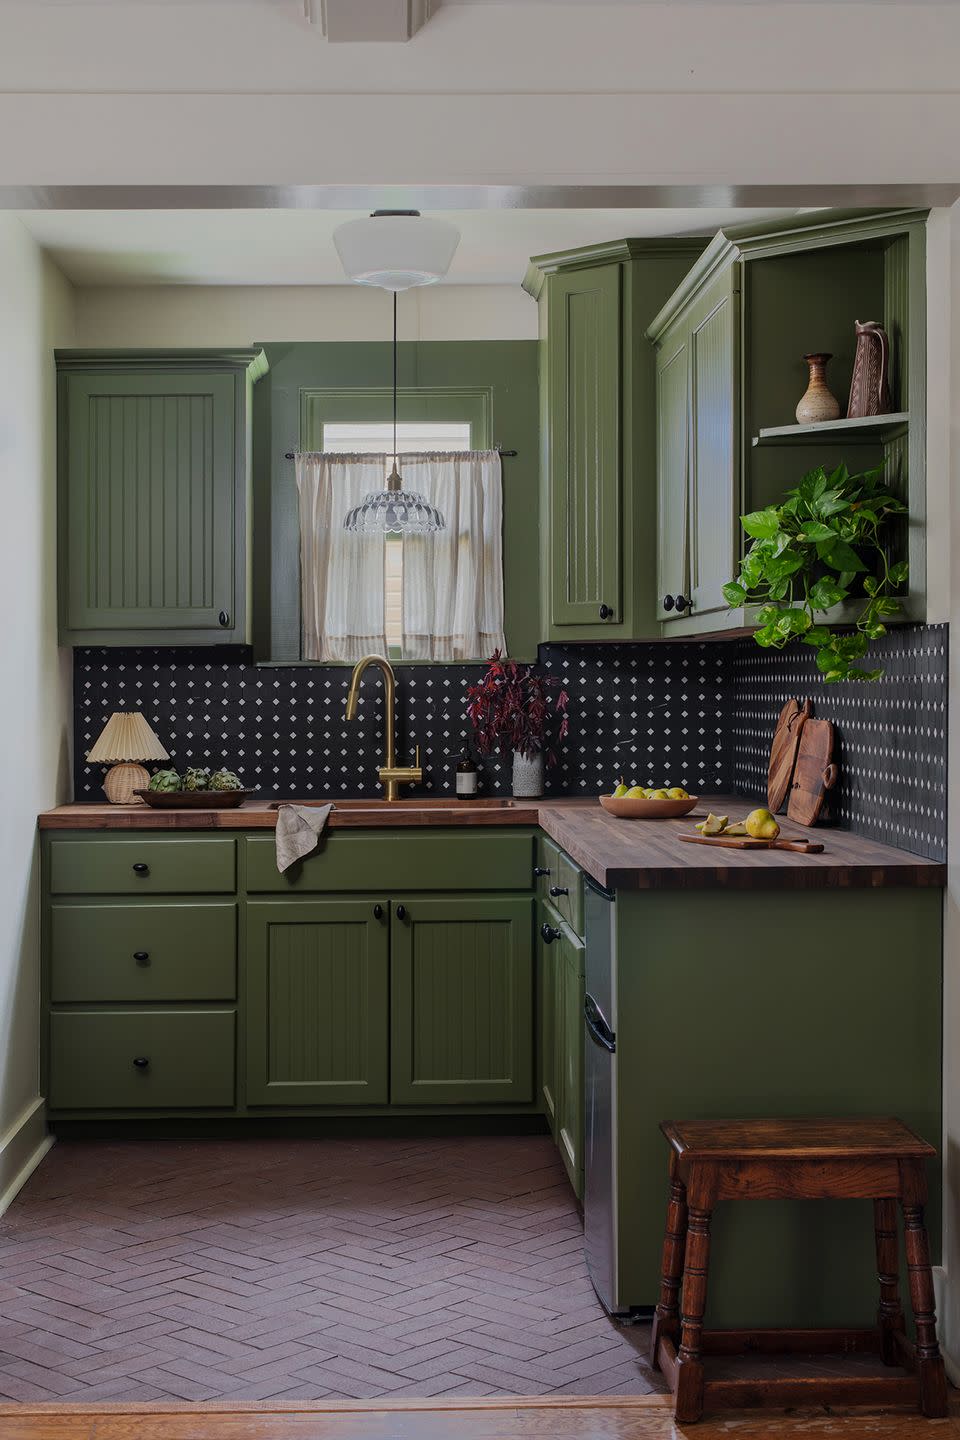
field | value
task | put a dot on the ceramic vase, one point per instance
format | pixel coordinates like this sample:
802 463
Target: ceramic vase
818 403
869 388
527 775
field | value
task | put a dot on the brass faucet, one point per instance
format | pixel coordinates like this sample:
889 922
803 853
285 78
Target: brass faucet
391 775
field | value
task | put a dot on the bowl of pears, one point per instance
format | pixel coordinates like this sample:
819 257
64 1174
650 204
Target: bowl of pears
648 802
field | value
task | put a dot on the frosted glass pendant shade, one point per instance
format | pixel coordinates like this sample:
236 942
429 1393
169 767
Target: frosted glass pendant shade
396 251
394 511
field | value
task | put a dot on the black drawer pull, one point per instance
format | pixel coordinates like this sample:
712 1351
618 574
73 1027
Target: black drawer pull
539 870
682 603
378 912
141 869
401 912
549 933
668 602
558 890
224 618
605 612
141 1062
142 957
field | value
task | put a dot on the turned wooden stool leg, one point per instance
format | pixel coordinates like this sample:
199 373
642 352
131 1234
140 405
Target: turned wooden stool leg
933 1382
890 1314
666 1318
689 1393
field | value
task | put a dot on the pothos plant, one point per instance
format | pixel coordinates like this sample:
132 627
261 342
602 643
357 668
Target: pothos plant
821 546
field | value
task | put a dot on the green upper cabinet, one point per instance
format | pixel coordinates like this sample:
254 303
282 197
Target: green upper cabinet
729 348
461 1000
697 459
153 496
598 441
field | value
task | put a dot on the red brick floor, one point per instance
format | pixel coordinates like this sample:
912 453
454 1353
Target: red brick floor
253 1270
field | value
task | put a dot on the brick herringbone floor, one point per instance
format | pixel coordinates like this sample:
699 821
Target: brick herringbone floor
252 1270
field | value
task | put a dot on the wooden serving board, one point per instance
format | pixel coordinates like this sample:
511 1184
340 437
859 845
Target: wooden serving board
814 773
747 842
783 752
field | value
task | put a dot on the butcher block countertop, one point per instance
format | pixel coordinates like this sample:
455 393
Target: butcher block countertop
619 854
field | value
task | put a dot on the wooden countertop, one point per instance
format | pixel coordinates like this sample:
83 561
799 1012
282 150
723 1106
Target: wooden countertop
620 854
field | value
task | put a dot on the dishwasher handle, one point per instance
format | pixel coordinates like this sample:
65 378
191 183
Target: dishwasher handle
597 1027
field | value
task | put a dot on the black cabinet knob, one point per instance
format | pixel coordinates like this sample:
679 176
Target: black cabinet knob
378 912
668 602
549 933
224 618
557 890
605 612
141 1062
142 957
401 912
683 603
141 869
539 870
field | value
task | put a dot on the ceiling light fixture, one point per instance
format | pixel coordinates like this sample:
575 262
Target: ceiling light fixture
396 249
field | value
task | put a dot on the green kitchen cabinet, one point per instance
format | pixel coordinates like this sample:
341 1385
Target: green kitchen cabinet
316 1002
697 457
598 440
153 496
548 985
561 970
143 1059
461 1000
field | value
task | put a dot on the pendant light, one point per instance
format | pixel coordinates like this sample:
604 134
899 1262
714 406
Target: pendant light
393 510
395 250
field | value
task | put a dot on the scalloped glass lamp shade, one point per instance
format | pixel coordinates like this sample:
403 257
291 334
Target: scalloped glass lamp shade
394 511
396 250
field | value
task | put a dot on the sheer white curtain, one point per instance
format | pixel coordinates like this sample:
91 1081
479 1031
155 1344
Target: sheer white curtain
341 575
453 580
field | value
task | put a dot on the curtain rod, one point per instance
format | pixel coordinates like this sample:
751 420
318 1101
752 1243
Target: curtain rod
505 454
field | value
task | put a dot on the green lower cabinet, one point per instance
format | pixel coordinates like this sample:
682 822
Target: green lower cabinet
317 1002
548 976
569 1032
142 1059
461 1000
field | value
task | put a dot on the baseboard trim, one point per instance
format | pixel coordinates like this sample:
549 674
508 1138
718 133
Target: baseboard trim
22 1147
384 1406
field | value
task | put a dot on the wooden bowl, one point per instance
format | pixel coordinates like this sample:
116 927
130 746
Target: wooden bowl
626 809
193 799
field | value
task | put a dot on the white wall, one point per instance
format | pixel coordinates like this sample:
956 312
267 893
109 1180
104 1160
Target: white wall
36 305
246 314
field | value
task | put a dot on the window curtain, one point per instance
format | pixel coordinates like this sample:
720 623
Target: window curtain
453 579
341 575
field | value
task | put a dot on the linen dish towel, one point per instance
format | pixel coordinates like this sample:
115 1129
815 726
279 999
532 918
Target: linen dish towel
299 828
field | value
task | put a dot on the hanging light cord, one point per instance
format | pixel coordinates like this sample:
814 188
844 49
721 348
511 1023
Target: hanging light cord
395 469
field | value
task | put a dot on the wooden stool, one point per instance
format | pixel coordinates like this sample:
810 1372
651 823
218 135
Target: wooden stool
879 1160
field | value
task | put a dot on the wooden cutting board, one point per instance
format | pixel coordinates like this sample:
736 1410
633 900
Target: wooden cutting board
783 752
814 773
747 842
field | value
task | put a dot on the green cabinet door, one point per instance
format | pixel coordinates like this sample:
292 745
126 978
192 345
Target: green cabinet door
548 984
713 470
569 1039
316 1000
152 507
461 1001
673 463
585 466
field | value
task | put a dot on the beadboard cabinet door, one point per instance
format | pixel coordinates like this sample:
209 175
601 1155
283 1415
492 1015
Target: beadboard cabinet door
586 554
153 525
316 1002
461 1000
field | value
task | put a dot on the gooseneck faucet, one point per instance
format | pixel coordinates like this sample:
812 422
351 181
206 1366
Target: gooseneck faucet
391 775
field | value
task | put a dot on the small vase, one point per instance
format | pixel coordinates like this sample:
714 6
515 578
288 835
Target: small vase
818 403
527 775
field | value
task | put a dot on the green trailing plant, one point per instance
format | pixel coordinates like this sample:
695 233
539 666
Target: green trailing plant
821 546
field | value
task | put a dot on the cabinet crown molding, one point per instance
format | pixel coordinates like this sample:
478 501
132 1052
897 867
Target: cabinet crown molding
583 256
252 359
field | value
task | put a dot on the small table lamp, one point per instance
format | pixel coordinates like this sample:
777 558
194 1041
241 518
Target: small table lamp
125 739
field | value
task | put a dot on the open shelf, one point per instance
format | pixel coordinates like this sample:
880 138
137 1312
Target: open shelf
865 428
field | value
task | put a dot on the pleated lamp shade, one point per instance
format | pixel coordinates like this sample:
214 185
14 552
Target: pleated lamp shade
125 739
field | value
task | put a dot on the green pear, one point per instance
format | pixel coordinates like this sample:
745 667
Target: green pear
713 825
761 825
620 791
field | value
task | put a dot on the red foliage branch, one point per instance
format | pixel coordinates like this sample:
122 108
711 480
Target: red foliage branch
512 708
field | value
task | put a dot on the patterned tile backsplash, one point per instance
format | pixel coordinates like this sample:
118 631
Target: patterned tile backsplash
698 715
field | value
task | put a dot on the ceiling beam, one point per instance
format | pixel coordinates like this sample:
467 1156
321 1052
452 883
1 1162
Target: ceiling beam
378 20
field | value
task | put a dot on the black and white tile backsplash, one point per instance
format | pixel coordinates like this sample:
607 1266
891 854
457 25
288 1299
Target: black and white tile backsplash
698 715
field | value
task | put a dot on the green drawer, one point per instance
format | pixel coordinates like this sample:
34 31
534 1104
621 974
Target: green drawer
365 860
570 902
143 952
189 1055
142 865
548 863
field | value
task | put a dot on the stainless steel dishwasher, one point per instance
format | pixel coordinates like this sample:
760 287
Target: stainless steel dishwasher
600 1086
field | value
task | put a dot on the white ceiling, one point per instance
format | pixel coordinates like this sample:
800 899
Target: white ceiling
295 247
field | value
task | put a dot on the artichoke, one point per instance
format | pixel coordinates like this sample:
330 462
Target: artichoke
165 781
225 780
196 778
